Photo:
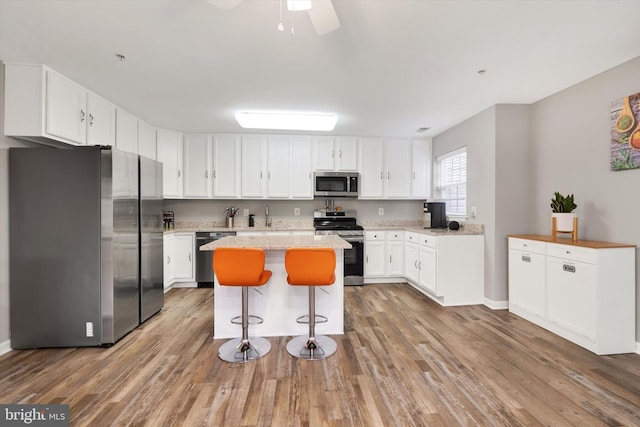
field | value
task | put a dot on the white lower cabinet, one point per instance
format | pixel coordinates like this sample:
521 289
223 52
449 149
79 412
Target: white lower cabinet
584 292
448 269
383 254
179 259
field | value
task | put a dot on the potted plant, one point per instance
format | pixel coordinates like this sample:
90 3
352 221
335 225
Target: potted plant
562 208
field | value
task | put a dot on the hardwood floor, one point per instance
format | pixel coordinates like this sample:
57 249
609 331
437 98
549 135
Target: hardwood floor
403 361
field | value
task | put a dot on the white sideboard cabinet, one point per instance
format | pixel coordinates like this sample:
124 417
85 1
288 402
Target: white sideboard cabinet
584 291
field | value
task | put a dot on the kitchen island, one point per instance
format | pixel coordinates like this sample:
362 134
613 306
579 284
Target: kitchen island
278 303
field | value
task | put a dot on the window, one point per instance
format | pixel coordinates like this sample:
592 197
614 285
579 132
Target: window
451 181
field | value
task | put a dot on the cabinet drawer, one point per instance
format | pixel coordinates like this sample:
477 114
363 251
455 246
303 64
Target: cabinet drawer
572 253
429 241
532 246
412 237
374 235
395 235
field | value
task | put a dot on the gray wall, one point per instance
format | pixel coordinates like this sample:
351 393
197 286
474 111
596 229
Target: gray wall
570 154
5 143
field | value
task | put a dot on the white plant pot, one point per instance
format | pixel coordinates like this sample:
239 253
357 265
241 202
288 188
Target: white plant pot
564 221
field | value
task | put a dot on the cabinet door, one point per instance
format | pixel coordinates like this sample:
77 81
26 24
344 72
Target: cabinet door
184 257
169 152
347 154
395 258
169 259
427 265
421 168
126 131
371 168
411 258
301 168
323 153
101 121
226 166
146 140
398 168
374 259
571 295
279 166
253 167
196 162
527 282
66 111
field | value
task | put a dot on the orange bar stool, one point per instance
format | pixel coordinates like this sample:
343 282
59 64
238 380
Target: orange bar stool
242 267
311 267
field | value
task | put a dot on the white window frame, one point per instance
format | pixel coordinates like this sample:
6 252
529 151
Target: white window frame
454 193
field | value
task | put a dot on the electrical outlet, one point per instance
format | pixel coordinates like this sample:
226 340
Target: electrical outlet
474 212
89 329
245 212
380 211
296 211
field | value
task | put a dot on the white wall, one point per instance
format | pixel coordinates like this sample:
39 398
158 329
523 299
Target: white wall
570 148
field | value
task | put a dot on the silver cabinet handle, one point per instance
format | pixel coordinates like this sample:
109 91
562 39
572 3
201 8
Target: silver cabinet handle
168 259
367 259
178 173
189 256
340 153
380 174
82 115
388 175
214 174
206 174
269 174
420 266
260 174
415 263
90 119
332 156
414 175
389 259
569 268
526 258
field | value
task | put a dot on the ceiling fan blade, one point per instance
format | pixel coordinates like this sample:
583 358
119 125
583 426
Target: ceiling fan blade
225 4
323 17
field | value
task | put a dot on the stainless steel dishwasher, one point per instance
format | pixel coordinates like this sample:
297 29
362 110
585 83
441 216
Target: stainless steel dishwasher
204 259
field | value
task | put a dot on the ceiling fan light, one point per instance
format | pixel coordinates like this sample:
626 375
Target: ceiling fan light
287 121
296 5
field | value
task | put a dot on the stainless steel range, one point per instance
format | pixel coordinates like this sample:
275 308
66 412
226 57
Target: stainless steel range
343 224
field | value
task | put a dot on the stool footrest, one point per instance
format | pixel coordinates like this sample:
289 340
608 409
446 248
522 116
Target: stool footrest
305 319
253 320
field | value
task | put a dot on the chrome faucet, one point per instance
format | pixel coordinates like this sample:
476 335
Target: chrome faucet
266 213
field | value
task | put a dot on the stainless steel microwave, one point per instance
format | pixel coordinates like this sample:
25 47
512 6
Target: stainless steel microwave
336 184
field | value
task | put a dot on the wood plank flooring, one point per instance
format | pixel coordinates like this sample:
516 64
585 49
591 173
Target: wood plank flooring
403 361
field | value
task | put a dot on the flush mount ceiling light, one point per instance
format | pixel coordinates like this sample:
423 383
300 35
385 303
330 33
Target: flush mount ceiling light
287 121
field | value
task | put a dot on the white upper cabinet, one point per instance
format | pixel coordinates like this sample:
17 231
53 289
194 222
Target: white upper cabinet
226 166
101 121
335 154
279 166
421 168
385 168
169 152
65 108
254 166
301 167
146 140
126 131
197 165
397 176
371 168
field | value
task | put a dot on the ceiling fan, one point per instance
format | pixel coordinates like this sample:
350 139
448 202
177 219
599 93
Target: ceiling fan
321 12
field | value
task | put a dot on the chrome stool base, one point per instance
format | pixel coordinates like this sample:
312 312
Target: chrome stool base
302 347
237 351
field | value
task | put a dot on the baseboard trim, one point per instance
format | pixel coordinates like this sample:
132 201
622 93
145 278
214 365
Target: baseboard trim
637 347
5 347
496 305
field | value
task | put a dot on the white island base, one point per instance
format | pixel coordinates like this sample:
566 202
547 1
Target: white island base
278 303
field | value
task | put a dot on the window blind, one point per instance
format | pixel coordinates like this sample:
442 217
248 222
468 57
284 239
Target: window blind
451 179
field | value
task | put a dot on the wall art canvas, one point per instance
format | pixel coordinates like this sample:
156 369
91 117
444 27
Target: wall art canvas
625 133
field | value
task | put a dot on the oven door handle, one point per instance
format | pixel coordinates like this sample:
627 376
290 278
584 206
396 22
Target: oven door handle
353 239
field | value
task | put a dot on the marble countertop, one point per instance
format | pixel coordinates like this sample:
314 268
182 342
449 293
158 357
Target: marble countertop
277 242
467 230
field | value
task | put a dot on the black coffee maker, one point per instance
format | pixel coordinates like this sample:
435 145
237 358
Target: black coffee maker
437 212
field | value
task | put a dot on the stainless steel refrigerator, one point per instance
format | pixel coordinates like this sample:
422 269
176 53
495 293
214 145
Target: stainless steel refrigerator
85 245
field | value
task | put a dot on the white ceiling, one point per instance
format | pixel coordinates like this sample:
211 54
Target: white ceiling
392 67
